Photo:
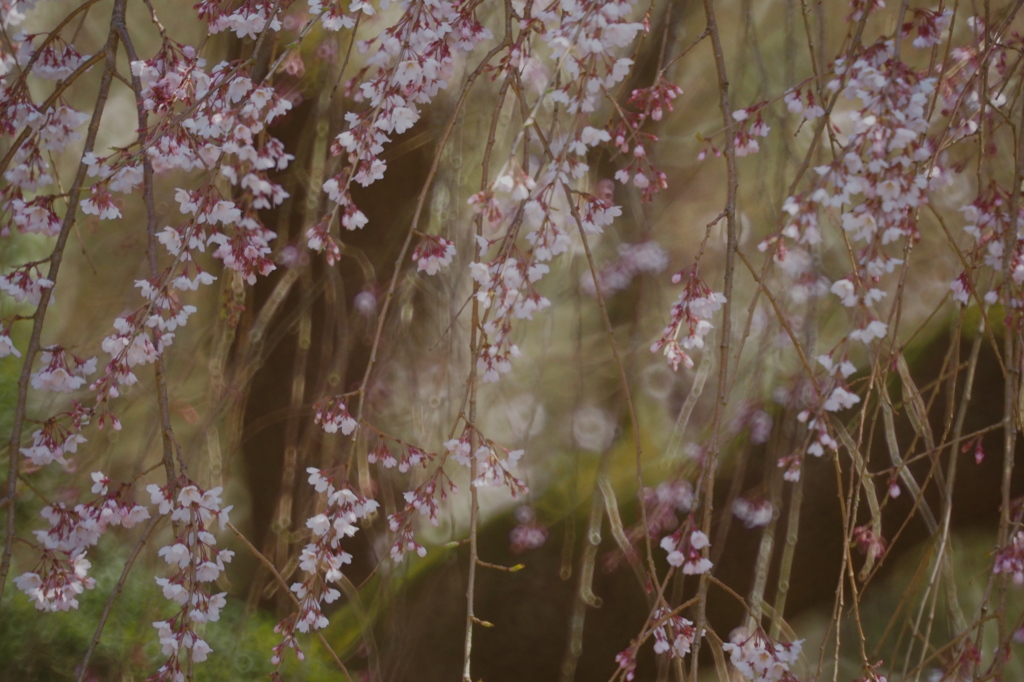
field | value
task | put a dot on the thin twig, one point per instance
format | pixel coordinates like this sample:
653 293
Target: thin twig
56 258
114 594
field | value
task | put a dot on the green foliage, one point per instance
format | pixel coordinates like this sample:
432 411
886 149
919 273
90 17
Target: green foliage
50 646
8 393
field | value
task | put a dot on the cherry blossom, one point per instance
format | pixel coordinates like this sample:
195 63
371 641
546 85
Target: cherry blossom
63 570
687 553
193 560
332 416
674 635
433 254
322 560
690 320
759 658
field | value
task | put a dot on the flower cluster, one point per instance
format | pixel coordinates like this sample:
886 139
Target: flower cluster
687 552
247 19
753 514
880 176
433 254
928 26
633 260
62 371
505 292
332 415
539 193
409 456
57 581
410 63
988 224
322 560
63 572
59 435
747 130
819 441
195 562
1010 559
423 500
870 542
759 658
528 533
673 635
840 397
664 502
25 284
691 320
631 140
492 469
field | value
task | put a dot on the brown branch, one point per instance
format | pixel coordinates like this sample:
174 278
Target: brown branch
722 398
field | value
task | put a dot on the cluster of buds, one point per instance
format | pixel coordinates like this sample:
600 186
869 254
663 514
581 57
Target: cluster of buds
630 139
195 562
626 659
322 560
872 674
